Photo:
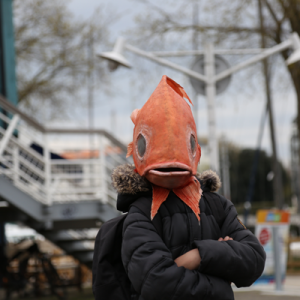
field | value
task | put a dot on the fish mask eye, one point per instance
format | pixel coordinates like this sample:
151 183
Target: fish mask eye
193 144
141 145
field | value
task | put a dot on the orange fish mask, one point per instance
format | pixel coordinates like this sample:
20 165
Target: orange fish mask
165 148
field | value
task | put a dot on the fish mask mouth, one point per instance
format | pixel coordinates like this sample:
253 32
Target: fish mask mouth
169 172
168 175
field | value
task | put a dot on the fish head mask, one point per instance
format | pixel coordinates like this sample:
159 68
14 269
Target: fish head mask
165 149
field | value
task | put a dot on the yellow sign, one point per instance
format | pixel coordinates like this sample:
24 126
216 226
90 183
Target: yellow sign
272 216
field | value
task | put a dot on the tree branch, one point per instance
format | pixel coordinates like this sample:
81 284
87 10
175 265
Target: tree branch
272 12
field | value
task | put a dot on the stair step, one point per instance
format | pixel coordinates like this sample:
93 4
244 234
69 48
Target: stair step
76 246
71 235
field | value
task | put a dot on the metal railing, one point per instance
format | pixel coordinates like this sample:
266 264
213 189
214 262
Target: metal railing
30 159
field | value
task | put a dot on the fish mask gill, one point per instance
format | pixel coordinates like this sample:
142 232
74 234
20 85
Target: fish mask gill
165 148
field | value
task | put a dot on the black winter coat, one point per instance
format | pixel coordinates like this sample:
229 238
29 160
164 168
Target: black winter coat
148 258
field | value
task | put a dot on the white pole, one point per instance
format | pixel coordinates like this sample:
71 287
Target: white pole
104 190
201 52
209 61
166 63
8 133
277 257
47 160
266 53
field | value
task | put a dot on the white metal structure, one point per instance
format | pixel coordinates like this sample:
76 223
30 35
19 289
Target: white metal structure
209 78
28 162
60 198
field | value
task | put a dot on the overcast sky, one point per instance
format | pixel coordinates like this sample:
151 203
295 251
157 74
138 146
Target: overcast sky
238 112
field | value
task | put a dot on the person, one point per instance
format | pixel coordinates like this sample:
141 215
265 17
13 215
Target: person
201 247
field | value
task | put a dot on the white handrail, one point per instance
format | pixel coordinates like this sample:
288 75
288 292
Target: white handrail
90 161
23 174
4 118
9 131
56 180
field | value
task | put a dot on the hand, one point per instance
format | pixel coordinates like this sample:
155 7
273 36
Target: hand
226 238
190 260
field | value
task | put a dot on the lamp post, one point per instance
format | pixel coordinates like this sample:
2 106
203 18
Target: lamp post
210 78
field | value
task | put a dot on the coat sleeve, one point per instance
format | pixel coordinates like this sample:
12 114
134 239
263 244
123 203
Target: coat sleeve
153 272
240 261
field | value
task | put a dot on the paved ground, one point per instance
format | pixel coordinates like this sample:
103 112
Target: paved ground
291 291
260 296
257 292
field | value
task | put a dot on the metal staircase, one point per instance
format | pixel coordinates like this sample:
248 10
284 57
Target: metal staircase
60 198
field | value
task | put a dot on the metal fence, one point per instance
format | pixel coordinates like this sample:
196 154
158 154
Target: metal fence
31 162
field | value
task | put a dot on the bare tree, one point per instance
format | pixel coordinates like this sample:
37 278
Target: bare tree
224 22
52 55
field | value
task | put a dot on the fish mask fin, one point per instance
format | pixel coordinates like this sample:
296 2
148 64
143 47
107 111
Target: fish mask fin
134 115
159 195
191 195
178 89
129 149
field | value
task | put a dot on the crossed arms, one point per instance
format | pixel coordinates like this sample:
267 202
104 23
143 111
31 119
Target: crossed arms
205 271
191 260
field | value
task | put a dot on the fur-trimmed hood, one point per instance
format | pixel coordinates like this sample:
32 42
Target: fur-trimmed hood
126 181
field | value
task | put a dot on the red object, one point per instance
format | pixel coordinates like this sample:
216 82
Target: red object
167 126
165 149
264 236
189 194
